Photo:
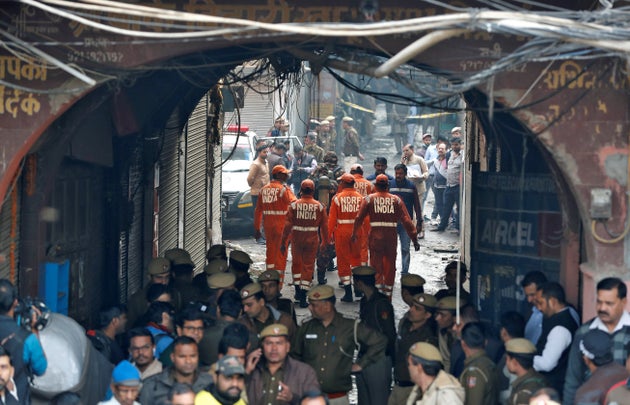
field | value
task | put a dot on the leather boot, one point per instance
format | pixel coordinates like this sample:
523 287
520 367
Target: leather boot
298 293
321 276
358 293
348 295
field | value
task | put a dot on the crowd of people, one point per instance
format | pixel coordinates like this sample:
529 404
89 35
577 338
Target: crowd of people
226 336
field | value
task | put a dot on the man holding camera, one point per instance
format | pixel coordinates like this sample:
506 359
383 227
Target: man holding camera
23 344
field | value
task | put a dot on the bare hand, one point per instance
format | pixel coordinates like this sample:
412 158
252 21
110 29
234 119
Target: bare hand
252 360
356 368
361 157
284 394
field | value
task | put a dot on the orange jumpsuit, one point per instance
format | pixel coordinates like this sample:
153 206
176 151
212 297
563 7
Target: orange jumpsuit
307 223
384 211
343 211
271 210
365 188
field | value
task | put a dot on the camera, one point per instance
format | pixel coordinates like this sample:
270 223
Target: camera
25 309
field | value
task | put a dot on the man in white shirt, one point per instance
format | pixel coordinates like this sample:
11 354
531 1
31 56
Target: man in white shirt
557 334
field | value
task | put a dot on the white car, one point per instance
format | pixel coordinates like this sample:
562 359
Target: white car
238 154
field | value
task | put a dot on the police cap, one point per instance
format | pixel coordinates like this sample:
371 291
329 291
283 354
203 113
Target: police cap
159 265
269 275
221 280
411 280
215 266
275 329
363 271
250 290
520 346
425 351
320 293
426 300
240 256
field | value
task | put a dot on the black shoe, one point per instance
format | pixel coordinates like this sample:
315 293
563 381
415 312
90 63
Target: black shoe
348 295
303 303
357 293
298 293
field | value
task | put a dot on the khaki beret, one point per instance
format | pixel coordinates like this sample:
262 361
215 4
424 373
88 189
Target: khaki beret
215 266
411 280
216 251
520 346
276 329
363 271
159 265
347 119
240 256
221 280
425 351
330 118
178 257
320 293
269 275
250 289
426 300
450 303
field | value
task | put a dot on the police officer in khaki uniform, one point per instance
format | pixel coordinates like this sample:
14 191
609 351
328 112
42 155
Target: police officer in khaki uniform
159 270
479 375
327 343
376 312
270 283
258 314
434 385
519 359
410 285
417 325
445 319
239 265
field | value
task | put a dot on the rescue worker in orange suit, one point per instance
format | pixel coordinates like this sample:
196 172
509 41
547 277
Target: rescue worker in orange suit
365 188
307 224
341 218
384 211
271 211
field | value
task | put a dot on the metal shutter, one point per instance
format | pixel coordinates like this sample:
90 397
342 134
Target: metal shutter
260 110
134 248
196 195
10 233
168 188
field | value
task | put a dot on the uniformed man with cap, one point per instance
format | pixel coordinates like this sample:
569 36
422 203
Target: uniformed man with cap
364 187
182 268
239 265
271 212
218 251
343 212
436 386
217 283
417 325
333 132
270 283
410 285
384 211
277 378
351 145
258 314
310 146
445 319
479 375
200 281
376 312
519 359
324 138
159 272
306 226
327 343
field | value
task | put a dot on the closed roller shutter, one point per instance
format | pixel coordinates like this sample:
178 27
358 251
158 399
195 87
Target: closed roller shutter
168 189
196 195
134 260
260 110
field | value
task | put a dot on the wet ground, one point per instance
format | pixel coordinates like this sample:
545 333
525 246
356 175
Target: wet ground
429 262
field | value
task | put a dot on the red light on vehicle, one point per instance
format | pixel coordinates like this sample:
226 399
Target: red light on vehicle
234 128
